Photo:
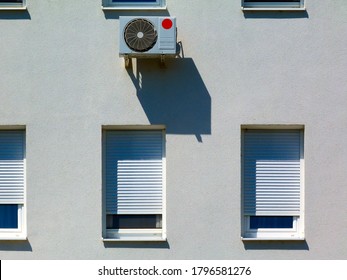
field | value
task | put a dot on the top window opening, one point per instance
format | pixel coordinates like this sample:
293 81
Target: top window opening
12 4
134 4
19 2
273 4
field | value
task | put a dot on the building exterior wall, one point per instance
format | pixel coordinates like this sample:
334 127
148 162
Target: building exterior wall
61 78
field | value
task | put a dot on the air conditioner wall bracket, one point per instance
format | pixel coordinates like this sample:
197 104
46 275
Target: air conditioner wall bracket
126 61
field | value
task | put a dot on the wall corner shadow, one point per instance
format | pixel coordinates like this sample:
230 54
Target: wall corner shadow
174 95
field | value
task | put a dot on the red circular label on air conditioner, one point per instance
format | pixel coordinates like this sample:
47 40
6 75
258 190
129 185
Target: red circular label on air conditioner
166 23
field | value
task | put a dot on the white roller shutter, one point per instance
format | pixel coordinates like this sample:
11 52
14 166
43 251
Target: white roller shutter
272 172
134 172
12 167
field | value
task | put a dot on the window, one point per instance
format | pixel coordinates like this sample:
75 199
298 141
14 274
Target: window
131 4
134 191
12 184
273 4
272 183
12 4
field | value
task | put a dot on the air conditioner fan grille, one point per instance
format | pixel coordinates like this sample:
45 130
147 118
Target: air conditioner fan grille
140 35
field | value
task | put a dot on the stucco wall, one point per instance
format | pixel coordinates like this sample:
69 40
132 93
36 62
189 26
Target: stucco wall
61 77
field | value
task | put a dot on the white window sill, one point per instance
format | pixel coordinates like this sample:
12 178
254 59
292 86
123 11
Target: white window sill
22 8
134 235
109 8
272 239
273 9
11 238
134 239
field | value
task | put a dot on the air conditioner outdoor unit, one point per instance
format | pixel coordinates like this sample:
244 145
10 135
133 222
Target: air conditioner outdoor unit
147 36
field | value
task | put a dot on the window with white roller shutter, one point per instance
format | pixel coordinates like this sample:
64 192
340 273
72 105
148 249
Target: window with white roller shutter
134 184
12 184
272 183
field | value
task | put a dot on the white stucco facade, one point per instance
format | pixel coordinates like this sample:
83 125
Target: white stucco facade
62 80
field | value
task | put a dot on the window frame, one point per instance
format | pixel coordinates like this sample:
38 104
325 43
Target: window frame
13 6
19 233
272 233
275 6
297 232
134 234
136 5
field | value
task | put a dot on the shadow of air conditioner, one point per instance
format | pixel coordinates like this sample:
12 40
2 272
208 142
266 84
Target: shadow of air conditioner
174 95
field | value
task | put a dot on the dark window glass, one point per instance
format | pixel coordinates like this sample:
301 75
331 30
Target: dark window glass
271 222
134 1
133 221
11 1
8 216
271 1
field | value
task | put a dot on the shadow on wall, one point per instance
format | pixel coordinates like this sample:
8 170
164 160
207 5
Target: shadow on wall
174 95
275 14
137 245
276 245
115 14
15 246
13 15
